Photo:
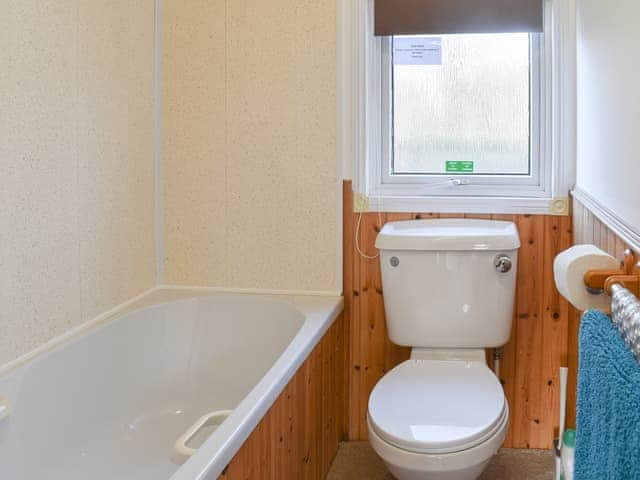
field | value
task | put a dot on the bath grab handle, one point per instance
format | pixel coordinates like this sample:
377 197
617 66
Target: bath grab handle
213 418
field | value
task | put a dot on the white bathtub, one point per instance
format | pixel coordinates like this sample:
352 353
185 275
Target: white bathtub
110 402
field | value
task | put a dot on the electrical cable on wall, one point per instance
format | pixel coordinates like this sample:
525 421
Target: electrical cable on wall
364 255
357 242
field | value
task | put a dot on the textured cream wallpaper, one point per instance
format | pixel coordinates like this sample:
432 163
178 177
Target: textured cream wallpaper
249 157
76 163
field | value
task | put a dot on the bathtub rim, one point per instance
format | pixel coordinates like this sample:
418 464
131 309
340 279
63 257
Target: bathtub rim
155 296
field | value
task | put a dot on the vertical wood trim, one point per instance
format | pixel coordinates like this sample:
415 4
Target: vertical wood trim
347 268
372 327
526 408
298 437
508 363
555 326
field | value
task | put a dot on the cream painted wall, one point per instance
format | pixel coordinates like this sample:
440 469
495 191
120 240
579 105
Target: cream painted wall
251 184
76 163
609 105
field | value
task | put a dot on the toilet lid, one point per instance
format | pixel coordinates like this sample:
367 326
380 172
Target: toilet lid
430 406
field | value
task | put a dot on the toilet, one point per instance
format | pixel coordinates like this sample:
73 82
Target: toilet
449 289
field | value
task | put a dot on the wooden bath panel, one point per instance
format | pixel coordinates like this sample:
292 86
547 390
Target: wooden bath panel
298 437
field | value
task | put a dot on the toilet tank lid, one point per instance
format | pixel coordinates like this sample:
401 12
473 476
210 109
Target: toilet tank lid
449 235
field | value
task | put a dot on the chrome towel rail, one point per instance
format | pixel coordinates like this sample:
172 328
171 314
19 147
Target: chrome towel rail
625 314
624 287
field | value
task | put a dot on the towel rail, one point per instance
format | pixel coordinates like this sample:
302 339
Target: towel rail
624 287
625 314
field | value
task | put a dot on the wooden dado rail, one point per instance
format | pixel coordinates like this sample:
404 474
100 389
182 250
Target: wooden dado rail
544 334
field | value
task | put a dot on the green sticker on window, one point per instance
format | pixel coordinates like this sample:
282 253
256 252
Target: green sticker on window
459 167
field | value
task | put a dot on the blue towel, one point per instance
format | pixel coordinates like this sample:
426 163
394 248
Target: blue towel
608 423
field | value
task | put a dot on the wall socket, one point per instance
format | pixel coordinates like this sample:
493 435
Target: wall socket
360 203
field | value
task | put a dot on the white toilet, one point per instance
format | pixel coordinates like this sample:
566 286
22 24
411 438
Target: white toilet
449 288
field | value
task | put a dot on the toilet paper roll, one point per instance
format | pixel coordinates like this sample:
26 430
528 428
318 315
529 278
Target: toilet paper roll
569 268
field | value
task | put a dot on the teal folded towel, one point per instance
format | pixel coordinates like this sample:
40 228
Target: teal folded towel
608 423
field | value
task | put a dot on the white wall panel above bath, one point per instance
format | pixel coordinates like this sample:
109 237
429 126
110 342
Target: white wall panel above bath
249 154
194 147
39 258
115 152
76 164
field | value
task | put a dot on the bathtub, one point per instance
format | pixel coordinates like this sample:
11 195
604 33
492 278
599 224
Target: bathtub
111 400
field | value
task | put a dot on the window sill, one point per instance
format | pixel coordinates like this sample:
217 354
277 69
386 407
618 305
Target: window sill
475 205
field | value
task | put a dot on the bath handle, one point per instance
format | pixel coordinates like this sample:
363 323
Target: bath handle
213 418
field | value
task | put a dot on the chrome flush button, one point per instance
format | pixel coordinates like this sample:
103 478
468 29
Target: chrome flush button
503 263
395 261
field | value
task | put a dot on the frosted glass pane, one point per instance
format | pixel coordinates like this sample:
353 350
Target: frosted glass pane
468 102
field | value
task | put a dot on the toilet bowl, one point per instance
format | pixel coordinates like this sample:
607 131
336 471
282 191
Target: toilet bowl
434 419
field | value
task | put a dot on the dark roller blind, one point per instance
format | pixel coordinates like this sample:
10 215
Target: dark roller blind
439 17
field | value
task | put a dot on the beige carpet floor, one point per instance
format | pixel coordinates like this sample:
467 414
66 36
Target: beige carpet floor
357 461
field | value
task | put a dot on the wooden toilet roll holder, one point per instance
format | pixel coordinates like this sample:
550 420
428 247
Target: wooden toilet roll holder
628 276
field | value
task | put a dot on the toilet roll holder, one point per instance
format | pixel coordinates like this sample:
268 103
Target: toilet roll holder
628 276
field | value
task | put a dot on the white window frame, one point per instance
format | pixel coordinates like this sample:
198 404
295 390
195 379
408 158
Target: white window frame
384 183
362 87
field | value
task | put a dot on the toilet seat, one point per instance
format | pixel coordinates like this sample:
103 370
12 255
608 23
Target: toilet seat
437 407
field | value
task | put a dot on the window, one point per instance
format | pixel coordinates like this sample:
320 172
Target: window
465 122
460 114
461 105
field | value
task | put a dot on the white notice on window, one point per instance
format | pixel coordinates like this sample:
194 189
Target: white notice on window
417 51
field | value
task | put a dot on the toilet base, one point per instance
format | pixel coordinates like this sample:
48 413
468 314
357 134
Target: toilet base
465 465
466 474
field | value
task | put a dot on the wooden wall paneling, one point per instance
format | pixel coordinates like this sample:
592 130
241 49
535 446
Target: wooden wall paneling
351 317
595 228
611 243
526 414
323 440
606 240
310 407
620 247
507 372
577 227
373 331
298 437
583 234
354 320
313 441
555 326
